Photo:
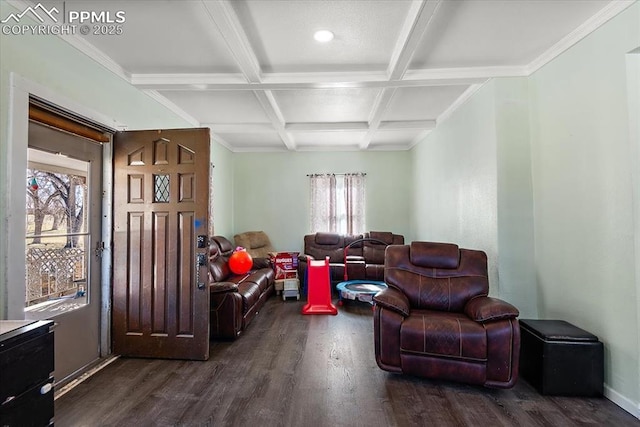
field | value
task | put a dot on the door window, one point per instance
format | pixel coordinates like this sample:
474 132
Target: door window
57 237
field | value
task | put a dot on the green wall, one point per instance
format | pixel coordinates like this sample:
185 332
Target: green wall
454 174
583 195
539 172
545 181
485 200
60 68
222 190
271 191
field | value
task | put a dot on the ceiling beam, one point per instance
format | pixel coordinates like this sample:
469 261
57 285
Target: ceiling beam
224 128
418 19
380 107
270 107
327 127
413 78
225 19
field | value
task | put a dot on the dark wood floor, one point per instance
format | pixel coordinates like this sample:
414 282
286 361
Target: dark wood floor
295 370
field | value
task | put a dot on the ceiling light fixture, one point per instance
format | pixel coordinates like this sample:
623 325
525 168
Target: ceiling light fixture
323 36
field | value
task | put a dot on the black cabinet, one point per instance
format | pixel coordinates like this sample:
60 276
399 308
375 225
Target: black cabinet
26 366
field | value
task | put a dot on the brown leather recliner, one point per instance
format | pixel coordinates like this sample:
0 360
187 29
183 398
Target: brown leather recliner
257 243
435 319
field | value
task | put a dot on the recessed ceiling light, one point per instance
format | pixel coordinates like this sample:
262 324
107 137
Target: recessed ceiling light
323 36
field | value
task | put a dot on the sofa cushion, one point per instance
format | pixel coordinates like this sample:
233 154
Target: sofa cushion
435 255
262 278
250 293
443 334
383 236
328 238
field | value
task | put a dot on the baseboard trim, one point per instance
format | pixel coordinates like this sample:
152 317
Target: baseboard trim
625 403
64 388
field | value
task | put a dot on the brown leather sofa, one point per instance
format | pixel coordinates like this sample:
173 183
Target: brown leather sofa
435 320
235 299
365 254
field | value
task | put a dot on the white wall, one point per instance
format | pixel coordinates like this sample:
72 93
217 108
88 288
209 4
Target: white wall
271 191
583 196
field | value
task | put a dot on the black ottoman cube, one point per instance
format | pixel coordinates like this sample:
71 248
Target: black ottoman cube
558 358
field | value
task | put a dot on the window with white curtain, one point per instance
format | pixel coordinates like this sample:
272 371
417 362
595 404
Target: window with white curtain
337 203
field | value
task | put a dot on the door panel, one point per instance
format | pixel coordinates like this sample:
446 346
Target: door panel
77 333
161 205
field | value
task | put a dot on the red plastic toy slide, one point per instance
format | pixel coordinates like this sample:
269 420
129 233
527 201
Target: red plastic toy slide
319 289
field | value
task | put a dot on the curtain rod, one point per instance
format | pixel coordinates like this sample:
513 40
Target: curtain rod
348 173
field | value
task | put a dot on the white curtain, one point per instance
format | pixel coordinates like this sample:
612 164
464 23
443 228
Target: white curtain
323 203
337 203
354 202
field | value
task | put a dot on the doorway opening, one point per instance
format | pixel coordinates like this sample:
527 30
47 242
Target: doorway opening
64 234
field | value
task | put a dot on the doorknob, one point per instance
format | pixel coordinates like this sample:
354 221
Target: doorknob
201 261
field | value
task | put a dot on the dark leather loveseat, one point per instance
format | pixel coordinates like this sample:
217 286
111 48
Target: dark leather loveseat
365 254
435 319
235 299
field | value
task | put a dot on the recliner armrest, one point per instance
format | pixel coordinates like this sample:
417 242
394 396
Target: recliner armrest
222 287
484 309
304 257
394 300
259 263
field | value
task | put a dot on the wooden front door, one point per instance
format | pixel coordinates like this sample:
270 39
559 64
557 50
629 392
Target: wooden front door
160 271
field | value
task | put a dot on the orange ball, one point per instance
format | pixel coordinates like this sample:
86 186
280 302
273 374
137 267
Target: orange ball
240 262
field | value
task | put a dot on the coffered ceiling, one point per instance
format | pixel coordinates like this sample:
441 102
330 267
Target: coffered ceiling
253 73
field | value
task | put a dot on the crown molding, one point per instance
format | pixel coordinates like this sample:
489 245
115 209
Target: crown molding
213 136
173 107
97 55
196 81
605 14
419 138
458 102
388 147
83 46
240 127
407 125
471 75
